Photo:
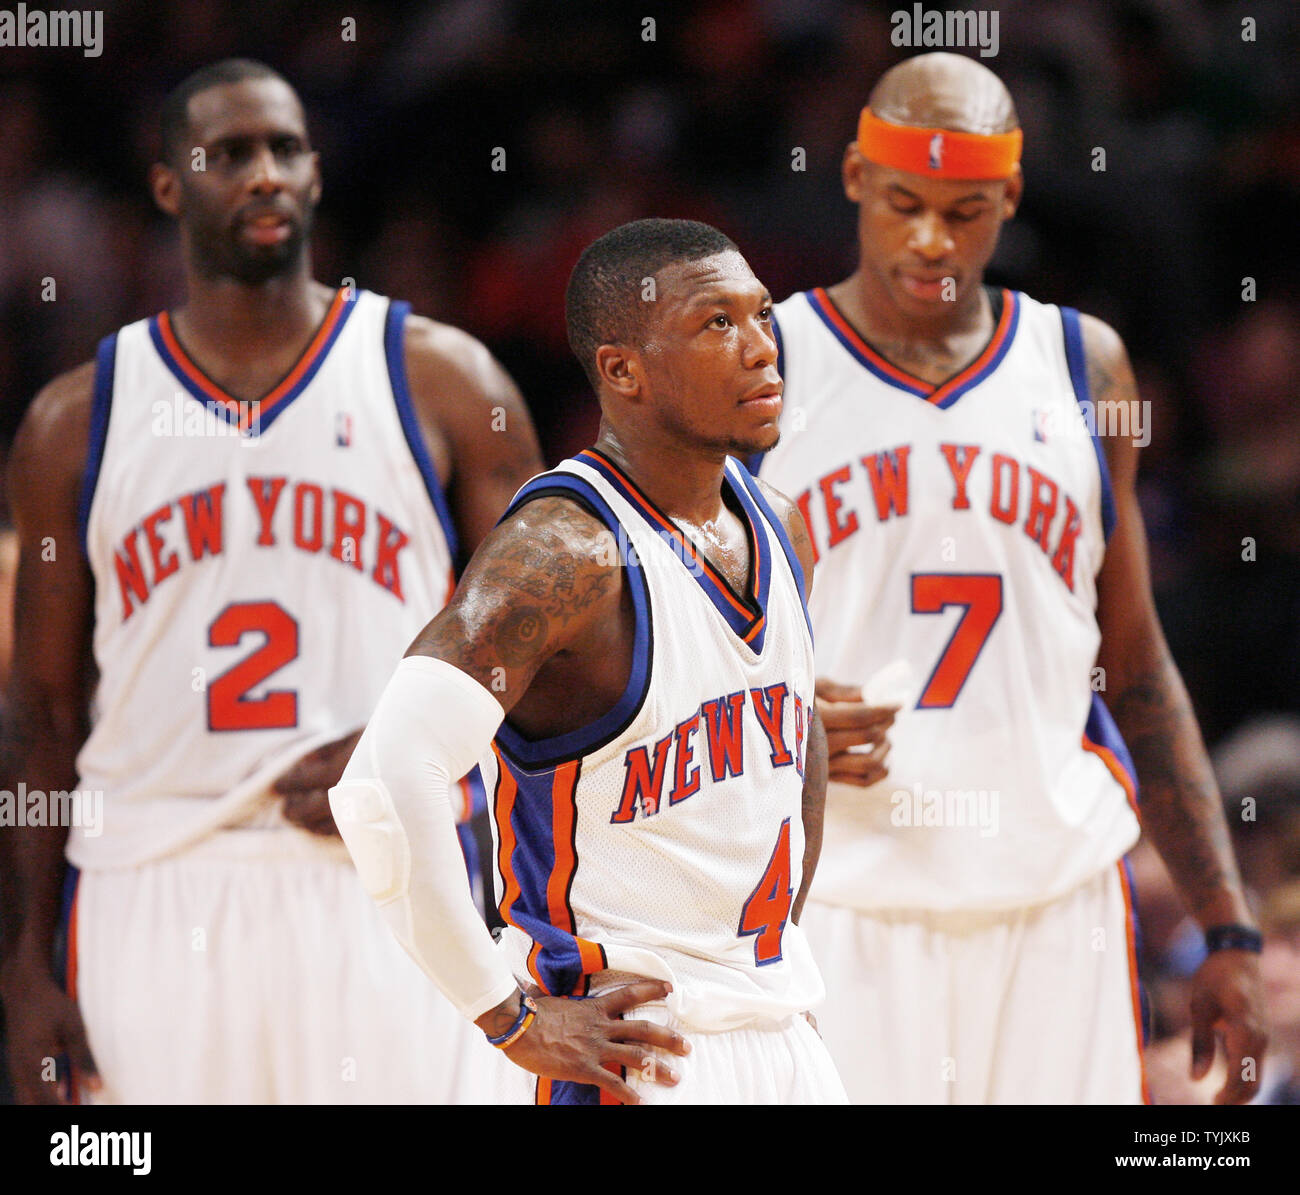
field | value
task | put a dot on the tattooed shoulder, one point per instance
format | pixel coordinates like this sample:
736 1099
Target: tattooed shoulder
529 592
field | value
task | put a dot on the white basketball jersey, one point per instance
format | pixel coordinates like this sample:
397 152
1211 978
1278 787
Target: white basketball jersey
666 838
959 527
255 580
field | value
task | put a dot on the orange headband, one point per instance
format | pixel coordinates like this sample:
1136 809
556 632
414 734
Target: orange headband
938 153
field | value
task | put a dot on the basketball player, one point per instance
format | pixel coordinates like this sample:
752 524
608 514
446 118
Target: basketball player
633 634
971 913
247 507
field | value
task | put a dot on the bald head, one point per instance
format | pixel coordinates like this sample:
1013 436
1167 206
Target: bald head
944 91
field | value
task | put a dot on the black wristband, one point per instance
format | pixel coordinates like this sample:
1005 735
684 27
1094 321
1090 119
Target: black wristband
1233 937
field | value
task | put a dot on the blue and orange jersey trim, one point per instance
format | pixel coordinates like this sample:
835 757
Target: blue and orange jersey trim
1101 736
750 483
68 917
537 858
945 393
1077 363
100 410
395 356
264 410
562 1091
747 616
1132 941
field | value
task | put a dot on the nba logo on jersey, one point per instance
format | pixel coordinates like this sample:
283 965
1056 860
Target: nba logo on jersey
343 429
936 152
1041 420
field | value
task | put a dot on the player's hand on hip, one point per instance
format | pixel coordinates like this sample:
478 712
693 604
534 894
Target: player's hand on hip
577 1040
851 725
1227 1001
305 786
42 1022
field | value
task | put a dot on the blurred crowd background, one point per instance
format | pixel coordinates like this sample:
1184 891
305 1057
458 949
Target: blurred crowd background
1186 242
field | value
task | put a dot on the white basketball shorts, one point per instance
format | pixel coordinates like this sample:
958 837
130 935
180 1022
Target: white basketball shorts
1031 1006
253 968
768 1062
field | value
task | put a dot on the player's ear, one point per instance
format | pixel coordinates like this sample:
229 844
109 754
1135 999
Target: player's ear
619 370
165 184
317 185
1014 189
853 172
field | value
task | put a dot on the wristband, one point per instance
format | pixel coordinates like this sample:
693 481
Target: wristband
1233 937
523 1022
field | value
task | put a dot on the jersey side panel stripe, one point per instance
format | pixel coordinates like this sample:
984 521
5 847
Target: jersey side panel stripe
538 859
1076 359
395 355
100 408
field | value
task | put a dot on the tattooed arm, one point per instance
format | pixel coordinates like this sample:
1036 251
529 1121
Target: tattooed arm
545 584
1181 810
544 589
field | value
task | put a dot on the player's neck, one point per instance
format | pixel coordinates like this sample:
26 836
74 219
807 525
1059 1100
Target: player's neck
223 316
872 311
683 484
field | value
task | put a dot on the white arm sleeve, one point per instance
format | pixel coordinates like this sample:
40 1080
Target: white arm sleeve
393 809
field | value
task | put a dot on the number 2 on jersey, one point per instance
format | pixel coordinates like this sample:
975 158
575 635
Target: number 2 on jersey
229 707
768 907
981 594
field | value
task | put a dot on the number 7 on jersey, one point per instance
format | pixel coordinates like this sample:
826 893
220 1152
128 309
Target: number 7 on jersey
981 595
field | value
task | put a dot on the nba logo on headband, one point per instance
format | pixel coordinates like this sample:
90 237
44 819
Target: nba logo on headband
936 152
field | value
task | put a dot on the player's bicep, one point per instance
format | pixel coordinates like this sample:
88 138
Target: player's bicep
497 452
534 588
462 390
1126 611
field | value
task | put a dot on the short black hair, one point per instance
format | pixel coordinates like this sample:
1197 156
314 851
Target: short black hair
604 302
175 118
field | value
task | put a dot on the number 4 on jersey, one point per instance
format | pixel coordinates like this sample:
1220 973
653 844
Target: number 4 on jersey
768 907
981 594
